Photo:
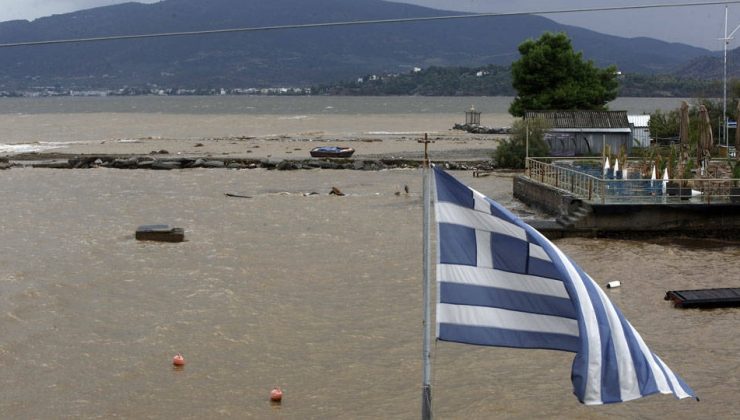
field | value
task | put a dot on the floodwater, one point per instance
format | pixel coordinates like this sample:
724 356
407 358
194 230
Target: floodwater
318 294
42 123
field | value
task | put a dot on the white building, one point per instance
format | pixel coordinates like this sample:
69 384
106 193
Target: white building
640 125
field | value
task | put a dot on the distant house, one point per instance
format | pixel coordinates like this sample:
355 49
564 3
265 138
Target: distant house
640 130
583 133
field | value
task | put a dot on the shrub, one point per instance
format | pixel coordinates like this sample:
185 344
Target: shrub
512 152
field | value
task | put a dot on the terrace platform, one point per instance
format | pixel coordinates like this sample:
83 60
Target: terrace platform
587 206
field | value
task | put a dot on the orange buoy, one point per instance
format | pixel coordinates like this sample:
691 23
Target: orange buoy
178 360
276 395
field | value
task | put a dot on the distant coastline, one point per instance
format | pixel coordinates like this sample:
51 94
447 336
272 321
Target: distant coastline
489 80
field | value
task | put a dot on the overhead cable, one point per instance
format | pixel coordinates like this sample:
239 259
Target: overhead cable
360 22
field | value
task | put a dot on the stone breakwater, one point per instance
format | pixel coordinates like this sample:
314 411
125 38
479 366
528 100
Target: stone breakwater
481 129
170 163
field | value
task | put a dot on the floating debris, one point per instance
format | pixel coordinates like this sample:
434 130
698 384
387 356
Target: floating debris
705 298
178 360
160 233
276 395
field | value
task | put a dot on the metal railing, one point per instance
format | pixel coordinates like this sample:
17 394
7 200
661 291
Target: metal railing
563 175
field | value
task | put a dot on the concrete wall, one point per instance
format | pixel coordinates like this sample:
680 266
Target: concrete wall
542 197
659 217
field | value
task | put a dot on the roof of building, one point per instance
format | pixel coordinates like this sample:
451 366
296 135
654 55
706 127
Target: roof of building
582 119
641 121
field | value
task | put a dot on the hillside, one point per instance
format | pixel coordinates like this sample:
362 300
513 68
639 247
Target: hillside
286 57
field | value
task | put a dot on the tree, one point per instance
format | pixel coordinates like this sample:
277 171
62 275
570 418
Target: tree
551 76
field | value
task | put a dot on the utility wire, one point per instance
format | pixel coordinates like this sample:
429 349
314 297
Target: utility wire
361 22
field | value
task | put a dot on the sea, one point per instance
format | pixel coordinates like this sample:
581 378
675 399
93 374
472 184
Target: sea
288 286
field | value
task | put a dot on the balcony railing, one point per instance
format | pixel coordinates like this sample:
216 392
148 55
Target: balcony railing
563 175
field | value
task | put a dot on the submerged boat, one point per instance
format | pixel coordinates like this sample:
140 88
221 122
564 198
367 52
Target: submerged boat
332 152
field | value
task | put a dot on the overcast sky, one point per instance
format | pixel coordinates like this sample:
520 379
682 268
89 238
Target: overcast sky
700 26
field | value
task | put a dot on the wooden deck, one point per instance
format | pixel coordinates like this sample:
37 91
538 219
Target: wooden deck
705 298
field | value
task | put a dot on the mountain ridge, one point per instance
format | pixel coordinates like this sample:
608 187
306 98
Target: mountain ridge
287 57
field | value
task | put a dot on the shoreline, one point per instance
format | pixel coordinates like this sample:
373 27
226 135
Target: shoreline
380 151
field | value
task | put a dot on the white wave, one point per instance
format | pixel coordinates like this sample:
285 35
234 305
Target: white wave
294 117
393 133
62 143
30 147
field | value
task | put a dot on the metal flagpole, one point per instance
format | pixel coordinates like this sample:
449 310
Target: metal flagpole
426 390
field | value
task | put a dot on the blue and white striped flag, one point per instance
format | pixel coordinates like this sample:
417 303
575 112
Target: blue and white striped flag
501 283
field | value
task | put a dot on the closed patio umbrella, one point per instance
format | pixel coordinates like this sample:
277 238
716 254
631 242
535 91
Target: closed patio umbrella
705 136
683 134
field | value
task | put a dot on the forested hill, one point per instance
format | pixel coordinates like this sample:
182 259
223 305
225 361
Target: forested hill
286 57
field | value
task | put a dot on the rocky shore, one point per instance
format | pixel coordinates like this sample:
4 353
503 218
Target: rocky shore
481 129
58 161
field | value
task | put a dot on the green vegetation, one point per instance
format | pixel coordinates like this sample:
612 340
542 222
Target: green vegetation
664 85
490 80
664 126
493 80
550 75
512 152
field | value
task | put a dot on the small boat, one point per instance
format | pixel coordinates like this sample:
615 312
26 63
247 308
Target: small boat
332 152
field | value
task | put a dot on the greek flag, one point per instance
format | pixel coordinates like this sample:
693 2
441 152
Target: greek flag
501 283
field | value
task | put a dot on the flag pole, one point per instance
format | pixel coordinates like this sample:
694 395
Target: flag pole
426 390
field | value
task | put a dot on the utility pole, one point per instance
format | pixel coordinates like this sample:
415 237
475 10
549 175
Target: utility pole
726 41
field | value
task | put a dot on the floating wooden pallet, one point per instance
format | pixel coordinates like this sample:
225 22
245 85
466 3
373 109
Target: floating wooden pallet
705 298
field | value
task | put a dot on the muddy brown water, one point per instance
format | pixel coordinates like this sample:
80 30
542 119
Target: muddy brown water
317 294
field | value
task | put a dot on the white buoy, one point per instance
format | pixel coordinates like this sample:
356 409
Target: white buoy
606 165
616 165
613 284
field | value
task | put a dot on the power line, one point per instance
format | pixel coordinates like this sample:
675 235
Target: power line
361 22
